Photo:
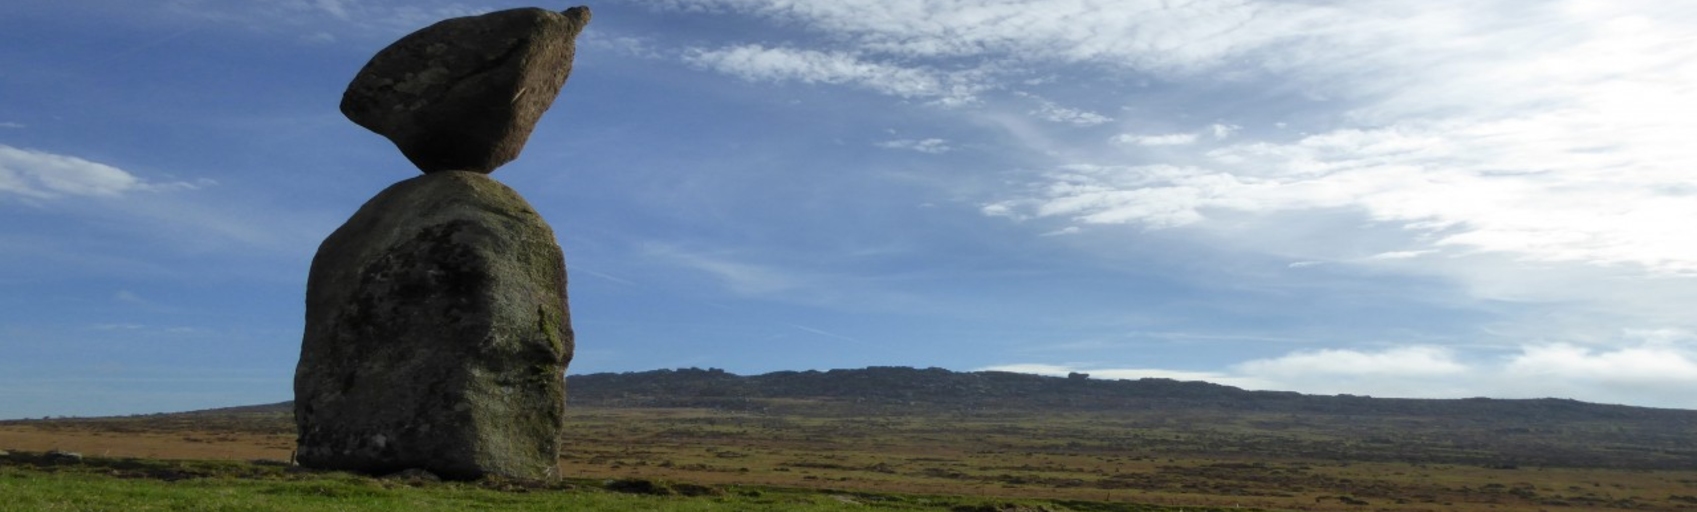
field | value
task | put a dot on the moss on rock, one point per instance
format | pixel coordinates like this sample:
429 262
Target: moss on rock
437 335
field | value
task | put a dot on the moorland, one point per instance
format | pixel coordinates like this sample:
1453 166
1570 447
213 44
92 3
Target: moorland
932 439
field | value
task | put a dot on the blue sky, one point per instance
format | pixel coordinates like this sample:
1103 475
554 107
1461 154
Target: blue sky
1417 199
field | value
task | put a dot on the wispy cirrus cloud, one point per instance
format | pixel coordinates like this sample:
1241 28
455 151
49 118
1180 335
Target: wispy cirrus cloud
1144 34
1216 131
932 146
335 8
325 20
741 277
974 46
1165 139
778 64
1054 112
1541 131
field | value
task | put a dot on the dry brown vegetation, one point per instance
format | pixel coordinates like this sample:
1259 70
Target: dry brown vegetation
1078 456
1093 457
1174 456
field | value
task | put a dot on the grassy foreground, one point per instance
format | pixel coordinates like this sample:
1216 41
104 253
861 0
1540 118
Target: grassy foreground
39 482
813 455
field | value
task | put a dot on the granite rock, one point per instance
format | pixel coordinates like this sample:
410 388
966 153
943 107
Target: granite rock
465 93
437 336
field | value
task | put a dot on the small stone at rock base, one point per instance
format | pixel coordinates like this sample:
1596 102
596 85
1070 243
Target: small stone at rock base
465 93
413 475
437 336
63 456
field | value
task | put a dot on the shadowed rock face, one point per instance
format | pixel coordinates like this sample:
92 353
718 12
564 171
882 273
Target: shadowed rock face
437 335
464 94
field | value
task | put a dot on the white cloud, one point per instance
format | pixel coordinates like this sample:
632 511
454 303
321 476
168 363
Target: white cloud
1050 111
1003 209
1533 153
1143 34
999 40
932 146
1059 114
1158 196
1547 131
40 174
1169 139
1447 180
10 124
1400 255
1631 366
1397 362
758 63
641 47
1221 131
1650 368
1217 130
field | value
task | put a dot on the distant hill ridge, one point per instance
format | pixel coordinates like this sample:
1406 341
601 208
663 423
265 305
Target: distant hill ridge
894 386
1144 415
890 388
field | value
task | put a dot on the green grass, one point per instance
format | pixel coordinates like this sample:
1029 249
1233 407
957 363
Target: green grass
26 490
33 483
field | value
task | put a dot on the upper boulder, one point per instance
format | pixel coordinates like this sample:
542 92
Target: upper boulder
465 93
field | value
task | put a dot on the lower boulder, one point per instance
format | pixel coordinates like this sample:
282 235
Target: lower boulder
437 336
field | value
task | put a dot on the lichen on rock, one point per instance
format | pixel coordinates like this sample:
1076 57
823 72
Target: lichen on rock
437 335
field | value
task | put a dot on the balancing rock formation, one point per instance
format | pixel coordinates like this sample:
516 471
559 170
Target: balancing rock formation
463 94
437 331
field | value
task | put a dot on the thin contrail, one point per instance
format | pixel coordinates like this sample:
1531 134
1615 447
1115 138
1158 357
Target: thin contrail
823 333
